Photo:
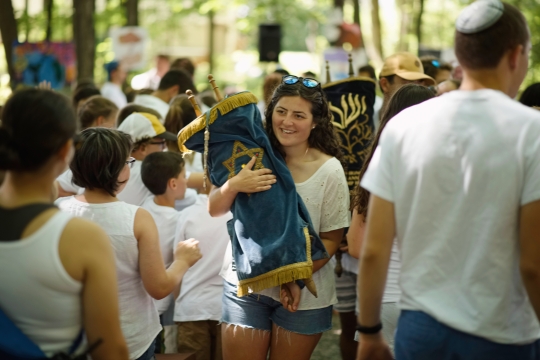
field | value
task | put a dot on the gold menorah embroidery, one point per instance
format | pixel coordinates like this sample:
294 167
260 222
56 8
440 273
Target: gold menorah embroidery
353 126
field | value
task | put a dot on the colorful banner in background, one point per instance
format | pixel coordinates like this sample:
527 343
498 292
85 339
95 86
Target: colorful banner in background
44 61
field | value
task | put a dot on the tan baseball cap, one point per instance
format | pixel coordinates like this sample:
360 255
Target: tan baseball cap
406 66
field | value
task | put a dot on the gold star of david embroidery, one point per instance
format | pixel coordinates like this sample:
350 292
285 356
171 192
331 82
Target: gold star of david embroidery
240 150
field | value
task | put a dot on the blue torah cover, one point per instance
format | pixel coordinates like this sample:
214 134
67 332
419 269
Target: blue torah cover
273 239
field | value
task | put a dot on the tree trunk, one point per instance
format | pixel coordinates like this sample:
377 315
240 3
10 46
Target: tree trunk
8 30
376 27
26 18
48 6
419 23
84 37
403 44
132 12
339 4
356 14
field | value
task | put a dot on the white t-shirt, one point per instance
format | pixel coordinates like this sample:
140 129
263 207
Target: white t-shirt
66 182
166 219
202 287
195 166
146 80
114 93
326 196
457 169
153 102
135 192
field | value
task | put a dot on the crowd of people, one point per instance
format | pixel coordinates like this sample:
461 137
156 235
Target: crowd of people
114 244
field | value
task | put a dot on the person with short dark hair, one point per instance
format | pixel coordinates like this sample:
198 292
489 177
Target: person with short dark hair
400 69
101 166
95 112
112 89
148 136
369 72
133 108
310 75
184 64
438 70
164 175
281 72
57 272
81 94
456 180
531 96
174 82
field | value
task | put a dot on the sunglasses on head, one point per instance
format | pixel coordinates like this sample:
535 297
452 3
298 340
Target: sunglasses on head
307 82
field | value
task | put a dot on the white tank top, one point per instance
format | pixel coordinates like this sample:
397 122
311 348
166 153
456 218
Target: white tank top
138 315
36 292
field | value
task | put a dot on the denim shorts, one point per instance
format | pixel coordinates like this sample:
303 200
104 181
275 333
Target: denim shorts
256 311
421 337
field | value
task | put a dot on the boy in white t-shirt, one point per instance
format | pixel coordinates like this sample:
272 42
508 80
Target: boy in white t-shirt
457 180
163 174
197 309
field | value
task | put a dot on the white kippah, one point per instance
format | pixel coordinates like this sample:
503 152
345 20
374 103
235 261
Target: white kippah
479 16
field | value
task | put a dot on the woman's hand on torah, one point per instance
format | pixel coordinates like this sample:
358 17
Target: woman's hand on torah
290 296
252 181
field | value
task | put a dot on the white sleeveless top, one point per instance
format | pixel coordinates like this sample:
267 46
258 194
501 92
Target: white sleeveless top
36 292
138 315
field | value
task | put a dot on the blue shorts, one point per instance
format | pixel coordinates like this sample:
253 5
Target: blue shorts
256 311
421 337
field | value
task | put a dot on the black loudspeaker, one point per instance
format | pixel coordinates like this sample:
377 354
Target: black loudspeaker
269 42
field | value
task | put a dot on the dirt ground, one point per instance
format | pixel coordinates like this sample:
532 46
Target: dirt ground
328 347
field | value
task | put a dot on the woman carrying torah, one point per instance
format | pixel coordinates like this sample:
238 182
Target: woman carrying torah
298 124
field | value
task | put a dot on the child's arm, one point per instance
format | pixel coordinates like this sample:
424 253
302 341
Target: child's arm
157 281
247 181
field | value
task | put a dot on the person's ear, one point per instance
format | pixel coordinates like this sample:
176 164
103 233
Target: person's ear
385 85
172 183
142 149
514 56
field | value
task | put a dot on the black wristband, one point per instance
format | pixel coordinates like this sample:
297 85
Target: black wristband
369 329
301 283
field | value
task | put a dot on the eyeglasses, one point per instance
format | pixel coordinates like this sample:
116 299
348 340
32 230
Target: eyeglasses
130 162
307 82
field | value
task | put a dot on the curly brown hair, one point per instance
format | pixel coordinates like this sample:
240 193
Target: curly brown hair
406 96
323 137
